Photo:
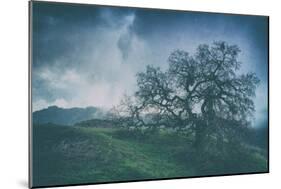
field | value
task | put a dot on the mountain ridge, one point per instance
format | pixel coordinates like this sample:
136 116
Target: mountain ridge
66 116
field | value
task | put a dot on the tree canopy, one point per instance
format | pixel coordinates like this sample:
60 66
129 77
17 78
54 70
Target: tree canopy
201 94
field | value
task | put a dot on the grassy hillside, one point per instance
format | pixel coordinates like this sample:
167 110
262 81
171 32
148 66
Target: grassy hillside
70 155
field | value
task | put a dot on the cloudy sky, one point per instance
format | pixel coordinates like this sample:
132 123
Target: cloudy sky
89 55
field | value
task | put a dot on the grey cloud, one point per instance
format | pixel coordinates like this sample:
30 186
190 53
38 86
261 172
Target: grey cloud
125 42
91 56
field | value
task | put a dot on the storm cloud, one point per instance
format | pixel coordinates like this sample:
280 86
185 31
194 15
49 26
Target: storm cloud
89 55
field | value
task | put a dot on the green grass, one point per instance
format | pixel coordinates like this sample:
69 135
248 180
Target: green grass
70 155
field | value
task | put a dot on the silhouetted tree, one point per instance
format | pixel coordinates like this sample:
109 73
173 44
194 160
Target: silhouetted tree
202 94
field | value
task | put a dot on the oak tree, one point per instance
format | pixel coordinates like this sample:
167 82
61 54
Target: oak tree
205 95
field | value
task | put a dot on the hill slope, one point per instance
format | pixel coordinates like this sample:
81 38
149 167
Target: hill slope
70 155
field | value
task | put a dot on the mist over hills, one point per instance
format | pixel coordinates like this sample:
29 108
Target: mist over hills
66 116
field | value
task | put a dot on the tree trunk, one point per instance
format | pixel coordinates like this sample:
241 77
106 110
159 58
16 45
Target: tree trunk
219 142
200 136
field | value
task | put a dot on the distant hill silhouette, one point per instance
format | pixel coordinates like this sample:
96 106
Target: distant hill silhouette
64 116
102 123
